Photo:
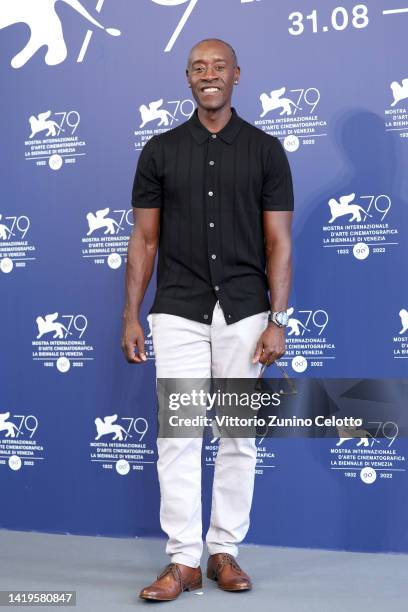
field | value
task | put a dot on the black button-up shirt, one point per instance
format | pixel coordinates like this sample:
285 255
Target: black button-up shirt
212 189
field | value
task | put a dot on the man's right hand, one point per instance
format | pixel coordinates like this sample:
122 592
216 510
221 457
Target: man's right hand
133 342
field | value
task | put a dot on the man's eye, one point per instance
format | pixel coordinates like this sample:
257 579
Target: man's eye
220 68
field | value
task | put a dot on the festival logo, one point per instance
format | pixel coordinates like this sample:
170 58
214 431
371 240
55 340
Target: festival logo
292 116
360 225
16 250
120 445
158 117
308 343
368 457
400 339
19 446
265 457
395 115
46 28
149 349
107 236
53 139
191 4
61 341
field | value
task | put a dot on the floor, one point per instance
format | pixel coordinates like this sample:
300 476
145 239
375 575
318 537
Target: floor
108 573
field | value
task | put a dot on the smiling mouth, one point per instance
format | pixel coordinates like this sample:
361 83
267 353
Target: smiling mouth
210 89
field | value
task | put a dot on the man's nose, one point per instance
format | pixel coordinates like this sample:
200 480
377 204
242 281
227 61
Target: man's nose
210 73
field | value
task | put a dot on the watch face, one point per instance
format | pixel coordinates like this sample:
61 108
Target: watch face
282 318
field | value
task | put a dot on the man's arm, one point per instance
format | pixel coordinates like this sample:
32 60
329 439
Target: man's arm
142 249
278 250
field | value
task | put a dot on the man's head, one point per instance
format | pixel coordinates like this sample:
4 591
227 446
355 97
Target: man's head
212 70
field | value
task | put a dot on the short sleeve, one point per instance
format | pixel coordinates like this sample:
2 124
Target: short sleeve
277 189
147 188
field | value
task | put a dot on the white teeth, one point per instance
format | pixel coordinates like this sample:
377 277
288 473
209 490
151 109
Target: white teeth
210 89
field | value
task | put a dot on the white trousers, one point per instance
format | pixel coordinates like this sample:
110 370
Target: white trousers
188 349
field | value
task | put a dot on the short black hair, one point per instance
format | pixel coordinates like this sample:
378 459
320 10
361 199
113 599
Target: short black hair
234 55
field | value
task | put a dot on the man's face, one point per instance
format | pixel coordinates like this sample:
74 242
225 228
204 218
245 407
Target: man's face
211 74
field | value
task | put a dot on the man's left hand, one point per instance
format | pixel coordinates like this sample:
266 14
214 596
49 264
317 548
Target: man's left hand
271 345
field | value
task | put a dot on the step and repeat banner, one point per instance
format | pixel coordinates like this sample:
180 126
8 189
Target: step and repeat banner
85 84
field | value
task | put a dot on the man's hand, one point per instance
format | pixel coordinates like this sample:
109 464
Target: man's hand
133 338
271 345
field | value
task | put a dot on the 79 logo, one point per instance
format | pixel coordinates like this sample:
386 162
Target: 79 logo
61 326
68 121
153 112
16 227
316 319
27 424
184 18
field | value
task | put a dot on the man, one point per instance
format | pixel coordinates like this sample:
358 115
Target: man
215 196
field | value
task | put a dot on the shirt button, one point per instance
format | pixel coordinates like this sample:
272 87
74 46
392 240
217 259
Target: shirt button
213 256
210 193
229 316
211 224
205 316
211 163
213 135
216 287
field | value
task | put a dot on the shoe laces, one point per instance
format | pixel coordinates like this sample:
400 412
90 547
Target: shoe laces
227 559
172 568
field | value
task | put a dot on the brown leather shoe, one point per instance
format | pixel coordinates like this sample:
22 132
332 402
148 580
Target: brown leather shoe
223 568
174 579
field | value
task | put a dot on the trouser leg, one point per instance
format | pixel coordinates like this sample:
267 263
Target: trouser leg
183 352
234 474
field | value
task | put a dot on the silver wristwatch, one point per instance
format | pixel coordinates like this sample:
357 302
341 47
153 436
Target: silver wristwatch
280 318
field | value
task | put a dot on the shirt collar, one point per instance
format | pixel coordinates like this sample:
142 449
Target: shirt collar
228 132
